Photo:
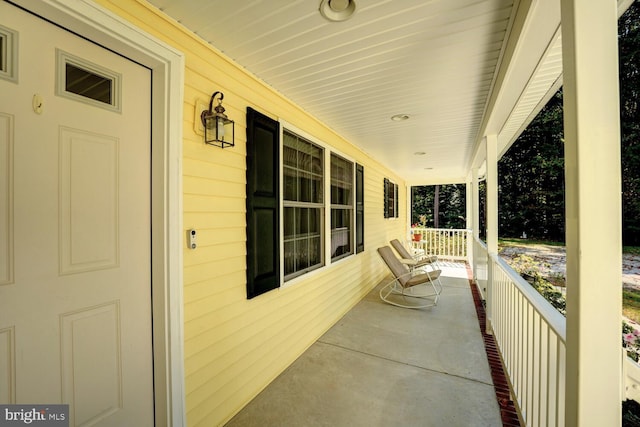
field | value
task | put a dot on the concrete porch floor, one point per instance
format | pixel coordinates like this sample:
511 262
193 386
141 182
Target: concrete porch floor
382 365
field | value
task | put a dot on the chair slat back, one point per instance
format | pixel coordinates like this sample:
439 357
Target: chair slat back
398 269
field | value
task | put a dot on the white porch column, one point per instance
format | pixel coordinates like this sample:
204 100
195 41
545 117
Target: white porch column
593 213
469 219
474 213
492 218
475 203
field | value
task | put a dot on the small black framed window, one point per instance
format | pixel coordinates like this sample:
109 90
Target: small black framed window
390 199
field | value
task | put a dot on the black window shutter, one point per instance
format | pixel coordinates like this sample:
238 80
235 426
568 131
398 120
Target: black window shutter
395 201
359 208
263 212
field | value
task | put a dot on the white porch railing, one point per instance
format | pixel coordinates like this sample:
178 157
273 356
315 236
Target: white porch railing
445 243
531 338
631 371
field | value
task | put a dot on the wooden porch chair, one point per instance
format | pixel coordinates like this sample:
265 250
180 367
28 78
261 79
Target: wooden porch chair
409 288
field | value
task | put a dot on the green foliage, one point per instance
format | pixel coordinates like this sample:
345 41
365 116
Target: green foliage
482 195
629 66
631 304
451 205
514 241
529 269
630 413
631 297
531 173
631 341
531 179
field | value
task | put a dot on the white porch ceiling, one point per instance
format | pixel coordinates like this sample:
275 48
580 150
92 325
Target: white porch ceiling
434 60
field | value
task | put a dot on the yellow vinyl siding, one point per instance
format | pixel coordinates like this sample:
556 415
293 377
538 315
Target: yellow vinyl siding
233 346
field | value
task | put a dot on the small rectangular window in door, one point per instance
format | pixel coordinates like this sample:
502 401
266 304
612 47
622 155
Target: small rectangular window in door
86 82
8 54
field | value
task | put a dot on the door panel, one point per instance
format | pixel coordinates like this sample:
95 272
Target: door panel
88 201
75 259
7 371
90 356
6 199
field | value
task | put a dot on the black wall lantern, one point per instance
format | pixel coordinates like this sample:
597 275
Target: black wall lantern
218 129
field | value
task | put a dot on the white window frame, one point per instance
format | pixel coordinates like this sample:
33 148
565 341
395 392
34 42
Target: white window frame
321 206
9 41
63 58
352 218
328 150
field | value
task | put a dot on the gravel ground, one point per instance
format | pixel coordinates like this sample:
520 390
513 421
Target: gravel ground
552 261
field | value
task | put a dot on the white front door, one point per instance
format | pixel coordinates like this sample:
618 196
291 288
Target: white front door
75 261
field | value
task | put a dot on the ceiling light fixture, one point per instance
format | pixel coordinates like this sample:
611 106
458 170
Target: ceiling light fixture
337 10
400 117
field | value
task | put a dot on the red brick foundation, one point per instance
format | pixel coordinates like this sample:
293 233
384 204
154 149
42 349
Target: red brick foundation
507 408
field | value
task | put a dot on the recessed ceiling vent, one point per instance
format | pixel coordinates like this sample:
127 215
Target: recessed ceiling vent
400 117
337 10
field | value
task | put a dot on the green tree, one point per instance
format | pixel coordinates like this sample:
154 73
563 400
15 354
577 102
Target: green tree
629 70
531 179
531 173
451 205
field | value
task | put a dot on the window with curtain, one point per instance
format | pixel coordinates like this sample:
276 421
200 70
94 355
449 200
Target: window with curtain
341 207
303 189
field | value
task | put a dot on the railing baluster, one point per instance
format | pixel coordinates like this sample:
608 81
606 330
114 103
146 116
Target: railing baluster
528 353
445 243
543 376
535 366
552 390
530 334
520 352
561 379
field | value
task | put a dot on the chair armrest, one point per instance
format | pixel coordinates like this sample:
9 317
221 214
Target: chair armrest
426 259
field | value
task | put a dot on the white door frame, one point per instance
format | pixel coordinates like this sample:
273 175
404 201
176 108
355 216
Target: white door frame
95 23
